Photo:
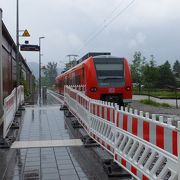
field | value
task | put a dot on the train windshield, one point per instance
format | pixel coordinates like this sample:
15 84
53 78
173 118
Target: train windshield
110 72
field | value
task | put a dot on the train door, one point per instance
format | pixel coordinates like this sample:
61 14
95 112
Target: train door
83 76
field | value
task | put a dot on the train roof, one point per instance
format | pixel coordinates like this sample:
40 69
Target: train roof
92 54
108 56
104 56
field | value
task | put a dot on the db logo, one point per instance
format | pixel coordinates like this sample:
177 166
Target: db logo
111 90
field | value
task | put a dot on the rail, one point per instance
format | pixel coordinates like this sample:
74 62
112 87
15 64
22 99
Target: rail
146 147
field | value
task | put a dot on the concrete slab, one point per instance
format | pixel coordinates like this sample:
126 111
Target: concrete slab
48 143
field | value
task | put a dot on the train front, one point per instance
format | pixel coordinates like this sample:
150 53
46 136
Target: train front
109 80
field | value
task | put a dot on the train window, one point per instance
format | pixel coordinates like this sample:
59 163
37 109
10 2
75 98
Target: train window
83 73
109 67
73 80
77 80
65 81
70 82
59 84
110 72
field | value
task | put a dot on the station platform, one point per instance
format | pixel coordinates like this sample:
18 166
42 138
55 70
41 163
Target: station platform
47 123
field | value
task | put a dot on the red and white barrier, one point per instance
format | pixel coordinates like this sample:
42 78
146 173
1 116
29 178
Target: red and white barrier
147 148
81 88
162 135
11 105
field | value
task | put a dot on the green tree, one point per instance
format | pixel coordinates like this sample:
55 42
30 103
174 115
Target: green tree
24 82
165 76
137 66
150 73
176 68
50 73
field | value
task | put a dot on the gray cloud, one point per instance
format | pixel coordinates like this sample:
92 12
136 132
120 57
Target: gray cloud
149 26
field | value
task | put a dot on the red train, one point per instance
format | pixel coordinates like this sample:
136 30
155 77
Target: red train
107 78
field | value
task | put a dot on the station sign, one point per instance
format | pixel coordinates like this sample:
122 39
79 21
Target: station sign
27 47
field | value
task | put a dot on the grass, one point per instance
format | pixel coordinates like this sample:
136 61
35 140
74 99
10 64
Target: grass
158 93
153 103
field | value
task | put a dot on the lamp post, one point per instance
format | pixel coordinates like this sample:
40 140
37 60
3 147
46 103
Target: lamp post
17 51
40 69
17 44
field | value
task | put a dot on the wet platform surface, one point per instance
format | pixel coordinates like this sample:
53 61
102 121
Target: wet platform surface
65 163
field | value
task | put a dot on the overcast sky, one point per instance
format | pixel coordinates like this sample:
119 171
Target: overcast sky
149 26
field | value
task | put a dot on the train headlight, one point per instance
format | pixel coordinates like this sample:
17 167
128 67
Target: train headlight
93 89
128 88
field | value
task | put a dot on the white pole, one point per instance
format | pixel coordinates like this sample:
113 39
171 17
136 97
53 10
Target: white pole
18 69
40 69
17 44
1 73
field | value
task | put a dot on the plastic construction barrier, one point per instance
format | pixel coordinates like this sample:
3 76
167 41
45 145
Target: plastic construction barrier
81 88
146 147
11 105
